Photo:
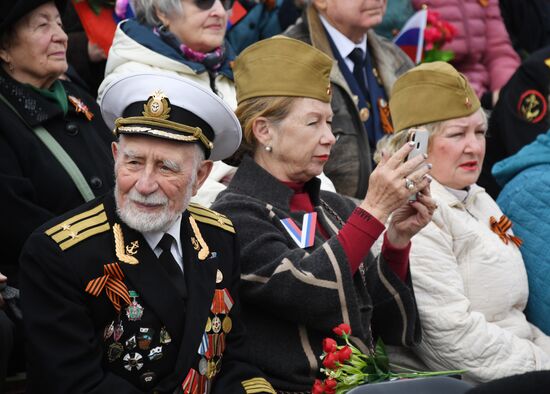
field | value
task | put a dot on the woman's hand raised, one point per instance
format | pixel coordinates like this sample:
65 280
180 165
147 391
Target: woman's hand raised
394 181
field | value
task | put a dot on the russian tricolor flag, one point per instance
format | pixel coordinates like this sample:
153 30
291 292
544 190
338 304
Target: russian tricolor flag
411 37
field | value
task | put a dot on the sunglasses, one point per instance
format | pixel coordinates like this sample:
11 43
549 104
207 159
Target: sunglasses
207 4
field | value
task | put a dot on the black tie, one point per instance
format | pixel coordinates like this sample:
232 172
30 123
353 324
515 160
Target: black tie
358 60
170 265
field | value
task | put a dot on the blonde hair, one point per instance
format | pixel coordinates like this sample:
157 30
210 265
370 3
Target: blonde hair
392 142
275 109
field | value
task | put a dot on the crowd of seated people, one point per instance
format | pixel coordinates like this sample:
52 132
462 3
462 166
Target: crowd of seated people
453 279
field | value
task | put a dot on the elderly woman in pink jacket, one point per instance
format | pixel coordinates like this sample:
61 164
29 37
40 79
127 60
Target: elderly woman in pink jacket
482 48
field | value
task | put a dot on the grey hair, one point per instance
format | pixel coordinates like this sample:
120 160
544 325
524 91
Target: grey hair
392 142
146 10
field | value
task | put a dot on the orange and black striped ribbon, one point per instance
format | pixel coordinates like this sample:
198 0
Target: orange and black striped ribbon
112 282
501 227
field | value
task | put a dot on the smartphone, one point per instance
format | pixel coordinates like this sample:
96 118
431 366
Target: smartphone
420 137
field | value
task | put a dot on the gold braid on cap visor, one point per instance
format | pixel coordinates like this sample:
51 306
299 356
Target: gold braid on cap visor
127 125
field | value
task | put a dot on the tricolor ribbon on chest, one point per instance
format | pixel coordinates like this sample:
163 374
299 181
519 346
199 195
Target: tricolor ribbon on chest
303 237
112 282
501 228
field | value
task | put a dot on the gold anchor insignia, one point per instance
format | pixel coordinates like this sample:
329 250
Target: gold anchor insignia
530 107
132 248
204 251
195 243
119 246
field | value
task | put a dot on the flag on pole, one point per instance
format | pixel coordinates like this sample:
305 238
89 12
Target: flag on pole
411 37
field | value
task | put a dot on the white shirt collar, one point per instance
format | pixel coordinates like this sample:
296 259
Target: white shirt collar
342 43
153 238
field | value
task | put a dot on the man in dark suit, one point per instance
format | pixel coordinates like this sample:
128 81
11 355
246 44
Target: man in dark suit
136 291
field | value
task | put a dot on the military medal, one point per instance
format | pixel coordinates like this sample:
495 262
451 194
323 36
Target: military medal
227 324
203 366
115 351
211 369
118 331
133 360
219 276
134 311
216 324
208 325
155 353
305 236
109 330
79 106
164 336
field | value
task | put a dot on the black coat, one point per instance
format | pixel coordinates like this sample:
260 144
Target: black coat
71 348
519 116
34 187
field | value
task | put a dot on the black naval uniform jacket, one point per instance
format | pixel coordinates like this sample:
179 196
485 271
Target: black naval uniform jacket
163 341
34 187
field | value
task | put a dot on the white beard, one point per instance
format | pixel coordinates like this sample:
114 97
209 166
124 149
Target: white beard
145 221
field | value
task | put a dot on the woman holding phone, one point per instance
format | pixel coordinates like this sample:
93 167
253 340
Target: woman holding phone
469 278
295 288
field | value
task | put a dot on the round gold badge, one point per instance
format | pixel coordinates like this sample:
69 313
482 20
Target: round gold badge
227 324
364 114
208 325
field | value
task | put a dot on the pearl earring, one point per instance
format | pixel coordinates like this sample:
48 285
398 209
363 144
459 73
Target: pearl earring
268 148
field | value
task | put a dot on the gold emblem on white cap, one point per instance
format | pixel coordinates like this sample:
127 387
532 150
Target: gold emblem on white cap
157 106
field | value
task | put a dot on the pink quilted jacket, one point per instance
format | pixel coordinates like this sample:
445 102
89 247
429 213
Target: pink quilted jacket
482 47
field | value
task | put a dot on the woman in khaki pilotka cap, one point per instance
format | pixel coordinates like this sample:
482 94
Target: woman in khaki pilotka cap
305 253
469 278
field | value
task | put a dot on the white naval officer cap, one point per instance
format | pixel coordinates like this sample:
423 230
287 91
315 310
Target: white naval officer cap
171 107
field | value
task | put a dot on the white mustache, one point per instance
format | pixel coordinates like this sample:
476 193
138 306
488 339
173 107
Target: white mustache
157 198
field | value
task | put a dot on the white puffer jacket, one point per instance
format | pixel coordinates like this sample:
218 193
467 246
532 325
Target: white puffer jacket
471 289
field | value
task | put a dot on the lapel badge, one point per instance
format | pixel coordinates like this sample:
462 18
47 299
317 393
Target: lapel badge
364 114
133 360
148 378
155 353
219 276
195 244
165 336
131 342
118 331
79 106
115 351
109 330
204 250
144 338
120 248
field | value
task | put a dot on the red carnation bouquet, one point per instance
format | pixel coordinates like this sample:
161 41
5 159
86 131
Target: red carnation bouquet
346 367
437 33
